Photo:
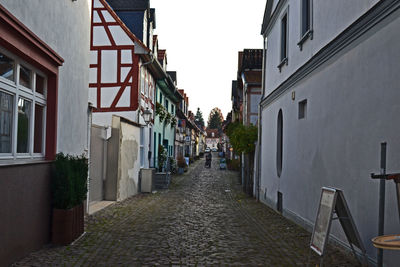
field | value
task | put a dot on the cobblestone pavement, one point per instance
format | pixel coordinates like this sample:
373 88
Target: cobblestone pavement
202 220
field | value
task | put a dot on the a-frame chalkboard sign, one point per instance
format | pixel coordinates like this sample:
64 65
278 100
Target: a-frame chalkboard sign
332 202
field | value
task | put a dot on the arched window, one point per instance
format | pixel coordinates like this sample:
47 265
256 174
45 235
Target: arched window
279 144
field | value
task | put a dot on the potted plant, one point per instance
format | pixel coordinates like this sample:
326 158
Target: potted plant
69 188
162 157
181 164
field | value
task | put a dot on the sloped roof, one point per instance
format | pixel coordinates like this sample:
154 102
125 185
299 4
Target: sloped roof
123 26
267 16
173 75
153 17
129 5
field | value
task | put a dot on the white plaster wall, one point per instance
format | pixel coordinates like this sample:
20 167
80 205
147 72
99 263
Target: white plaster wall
330 18
105 118
65 26
129 164
352 106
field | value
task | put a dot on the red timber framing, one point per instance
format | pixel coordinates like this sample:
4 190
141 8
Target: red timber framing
125 81
19 40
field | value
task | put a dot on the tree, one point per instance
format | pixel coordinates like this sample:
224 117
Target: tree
198 118
215 119
242 138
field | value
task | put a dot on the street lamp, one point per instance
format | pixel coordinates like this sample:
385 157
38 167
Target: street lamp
147 116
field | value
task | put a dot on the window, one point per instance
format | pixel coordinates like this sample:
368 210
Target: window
6 122
160 98
284 40
142 81
24 76
279 144
22 109
142 147
284 37
302 109
172 109
166 105
6 67
306 22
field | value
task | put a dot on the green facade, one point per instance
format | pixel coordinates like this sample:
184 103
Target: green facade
164 131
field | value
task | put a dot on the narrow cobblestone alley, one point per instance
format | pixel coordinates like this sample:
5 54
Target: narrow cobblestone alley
202 220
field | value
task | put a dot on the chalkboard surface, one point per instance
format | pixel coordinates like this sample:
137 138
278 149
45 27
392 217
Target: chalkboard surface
323 221
332 201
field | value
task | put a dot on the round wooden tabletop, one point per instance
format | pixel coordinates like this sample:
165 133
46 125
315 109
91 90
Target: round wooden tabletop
387 242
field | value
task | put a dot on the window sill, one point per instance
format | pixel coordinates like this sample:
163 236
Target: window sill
17 162
284 61
306 36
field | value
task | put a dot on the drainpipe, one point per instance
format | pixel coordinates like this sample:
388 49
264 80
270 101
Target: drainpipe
382 193
244 114
260 110
89 130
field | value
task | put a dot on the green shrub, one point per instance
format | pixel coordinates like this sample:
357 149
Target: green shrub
69 181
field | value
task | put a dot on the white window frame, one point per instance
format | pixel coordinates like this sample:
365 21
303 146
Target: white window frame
18 91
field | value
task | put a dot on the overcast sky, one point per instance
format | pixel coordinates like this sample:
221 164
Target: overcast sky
202 39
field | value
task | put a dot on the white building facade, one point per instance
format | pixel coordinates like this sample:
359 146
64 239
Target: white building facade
44 59
331 96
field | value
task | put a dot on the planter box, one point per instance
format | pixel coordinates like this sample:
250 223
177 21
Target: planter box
67 225
162 180
147 180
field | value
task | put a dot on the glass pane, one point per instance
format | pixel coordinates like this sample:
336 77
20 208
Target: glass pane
24 118
6 67
38 135
25 76
6 114
39 84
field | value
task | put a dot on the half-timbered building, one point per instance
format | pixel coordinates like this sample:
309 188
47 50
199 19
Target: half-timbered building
121 88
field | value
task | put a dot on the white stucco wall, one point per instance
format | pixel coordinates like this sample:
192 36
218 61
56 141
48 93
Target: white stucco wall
64 26
352 106
330 18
